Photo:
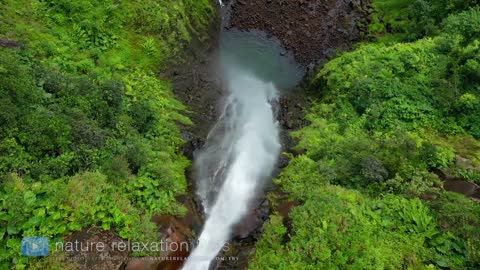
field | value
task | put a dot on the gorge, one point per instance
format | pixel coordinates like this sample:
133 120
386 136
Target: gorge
256 134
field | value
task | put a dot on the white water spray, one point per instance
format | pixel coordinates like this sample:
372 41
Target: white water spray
249 151
243 147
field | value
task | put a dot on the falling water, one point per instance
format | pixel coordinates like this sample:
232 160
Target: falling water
243 147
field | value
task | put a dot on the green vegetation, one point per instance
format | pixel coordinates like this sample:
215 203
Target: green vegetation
391 115
413 19
88 133
338 228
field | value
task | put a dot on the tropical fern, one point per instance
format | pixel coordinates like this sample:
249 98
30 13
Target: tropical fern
417 219
149 46
80 36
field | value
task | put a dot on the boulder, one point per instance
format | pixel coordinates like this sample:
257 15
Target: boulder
87 252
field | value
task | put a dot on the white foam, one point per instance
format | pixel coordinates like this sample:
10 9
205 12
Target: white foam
249 150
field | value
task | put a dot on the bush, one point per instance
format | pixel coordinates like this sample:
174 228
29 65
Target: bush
466 23
460 215
337 228
30 209
415 19
80 96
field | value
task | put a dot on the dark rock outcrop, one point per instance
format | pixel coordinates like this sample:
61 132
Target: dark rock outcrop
96 249
312 29
9 43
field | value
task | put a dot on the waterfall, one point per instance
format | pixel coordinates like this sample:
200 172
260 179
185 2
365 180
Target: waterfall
250 147
243 147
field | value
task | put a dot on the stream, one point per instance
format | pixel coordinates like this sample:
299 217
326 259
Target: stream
243 147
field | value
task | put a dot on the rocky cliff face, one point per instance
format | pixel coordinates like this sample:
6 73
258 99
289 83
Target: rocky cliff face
312 29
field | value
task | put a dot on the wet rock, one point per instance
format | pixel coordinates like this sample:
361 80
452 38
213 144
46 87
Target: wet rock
319 25
251 224
285 207
172 228
88 253
176 234
467 188
175 261
290 111
429 196
9 43
192 144
463 163
248 225
198 84
237 255
142 264
283 161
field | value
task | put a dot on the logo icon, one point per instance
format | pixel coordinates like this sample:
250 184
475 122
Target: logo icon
35 246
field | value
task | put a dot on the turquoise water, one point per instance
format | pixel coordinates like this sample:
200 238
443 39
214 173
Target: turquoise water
254 52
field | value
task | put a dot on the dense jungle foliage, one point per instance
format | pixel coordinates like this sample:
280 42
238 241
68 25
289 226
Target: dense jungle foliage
394 116
88 133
